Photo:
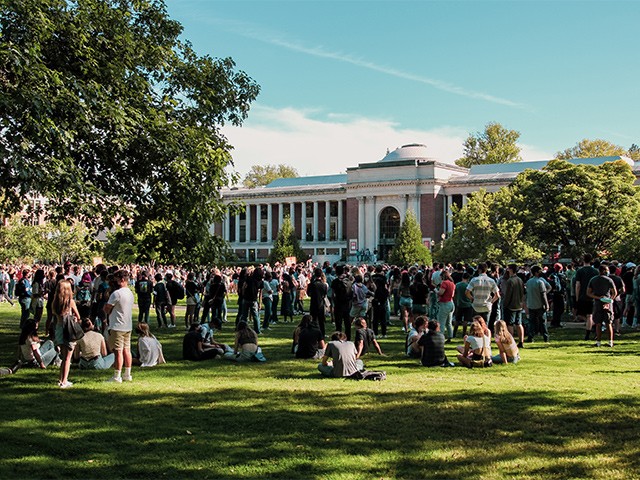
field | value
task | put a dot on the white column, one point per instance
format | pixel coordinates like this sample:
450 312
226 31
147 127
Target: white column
370 231
237 239
449 213
269 223
361 222
406 207
327 221
417 208
247 223
280 215
315 221
227 226
303 223
465 199
339 232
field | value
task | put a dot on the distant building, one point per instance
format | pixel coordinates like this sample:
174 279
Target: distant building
346 215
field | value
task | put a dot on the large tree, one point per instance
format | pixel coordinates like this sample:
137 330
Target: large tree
581 208
114 119
495 145
408 248
489 228
591 149
261 175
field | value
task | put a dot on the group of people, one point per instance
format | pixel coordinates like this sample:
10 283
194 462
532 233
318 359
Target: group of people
511 303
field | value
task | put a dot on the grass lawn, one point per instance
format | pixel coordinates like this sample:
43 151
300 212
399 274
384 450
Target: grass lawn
568 410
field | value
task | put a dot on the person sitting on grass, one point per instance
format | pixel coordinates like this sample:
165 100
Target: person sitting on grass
477 347
32 353
506 344
91 349
416 331
149 352
308 340
365 338
194 349
246 347
342 354
432 347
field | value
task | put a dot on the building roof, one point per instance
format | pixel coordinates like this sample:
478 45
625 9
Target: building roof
307 181
412 151
519 167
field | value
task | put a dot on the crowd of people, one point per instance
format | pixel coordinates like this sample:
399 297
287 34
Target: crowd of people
508 306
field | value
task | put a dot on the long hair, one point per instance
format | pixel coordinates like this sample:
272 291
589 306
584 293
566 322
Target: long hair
502 332
30 329
63 298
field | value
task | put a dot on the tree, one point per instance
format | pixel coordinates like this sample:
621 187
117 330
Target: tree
286 244
409 248
114 119
495 145
581 208
591 149
634 152
261 175
488 228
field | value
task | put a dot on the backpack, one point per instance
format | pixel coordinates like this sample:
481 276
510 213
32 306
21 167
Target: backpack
179 290
359 297
84 294
556 282
369 375
340 288
21 290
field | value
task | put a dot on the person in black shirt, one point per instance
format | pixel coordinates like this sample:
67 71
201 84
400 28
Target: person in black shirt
308 339
144 288
317 290
341 291
432 344
365 338
193 347
380 301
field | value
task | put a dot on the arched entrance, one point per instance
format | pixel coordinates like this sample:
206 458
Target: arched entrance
389 228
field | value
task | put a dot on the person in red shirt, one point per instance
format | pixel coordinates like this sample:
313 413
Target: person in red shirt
445 304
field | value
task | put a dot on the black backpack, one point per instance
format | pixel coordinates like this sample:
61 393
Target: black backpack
21 290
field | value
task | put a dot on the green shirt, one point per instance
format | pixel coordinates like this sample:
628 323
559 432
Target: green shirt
460 297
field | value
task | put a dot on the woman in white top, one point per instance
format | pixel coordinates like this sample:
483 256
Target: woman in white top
32 353
478 344
149 348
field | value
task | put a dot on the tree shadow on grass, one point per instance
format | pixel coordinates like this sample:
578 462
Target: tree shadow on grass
368 432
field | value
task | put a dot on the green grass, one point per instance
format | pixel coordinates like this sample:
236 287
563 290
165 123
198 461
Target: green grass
566 411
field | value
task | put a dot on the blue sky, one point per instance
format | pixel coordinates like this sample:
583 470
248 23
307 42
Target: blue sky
342 81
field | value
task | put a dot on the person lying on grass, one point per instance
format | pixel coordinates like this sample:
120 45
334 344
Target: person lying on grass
432 347
365 338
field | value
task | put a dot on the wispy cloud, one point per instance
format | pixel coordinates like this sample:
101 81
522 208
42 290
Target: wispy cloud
271 38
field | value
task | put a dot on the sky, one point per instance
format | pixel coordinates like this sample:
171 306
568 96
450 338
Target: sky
344 81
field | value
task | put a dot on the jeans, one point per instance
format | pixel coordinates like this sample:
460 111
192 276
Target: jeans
445 318
25 304
274 309
100 363
143 310
537 324
268 304
380 317
341 316
161 314
250 309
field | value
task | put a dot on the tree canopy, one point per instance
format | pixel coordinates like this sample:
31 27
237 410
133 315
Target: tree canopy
579 208
113 118
590 149
408 248
495 145
261 175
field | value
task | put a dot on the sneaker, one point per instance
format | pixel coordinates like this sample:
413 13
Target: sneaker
611 343
597 344
520 345
127 378
115 380
66 384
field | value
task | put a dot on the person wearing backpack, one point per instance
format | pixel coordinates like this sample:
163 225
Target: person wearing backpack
83 296
558 282
359 300
23 292
144 288
161 302
176 292
341 291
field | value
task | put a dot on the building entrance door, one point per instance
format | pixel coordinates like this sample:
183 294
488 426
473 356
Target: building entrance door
389 229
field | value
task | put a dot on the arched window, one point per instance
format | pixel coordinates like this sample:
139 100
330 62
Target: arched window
389 225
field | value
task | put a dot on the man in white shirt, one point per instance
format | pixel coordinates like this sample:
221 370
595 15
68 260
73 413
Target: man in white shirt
119 310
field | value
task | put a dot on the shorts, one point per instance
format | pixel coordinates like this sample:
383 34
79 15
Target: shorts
59 338
419 309
602 315
513 317
358 311
463 314
584 307
406 302
119 340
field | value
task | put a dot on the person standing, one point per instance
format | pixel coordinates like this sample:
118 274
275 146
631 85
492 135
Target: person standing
537 289
317 290
119 310
341 291
463 311
23 292
483 292
603 290
584 304
513 303
63 305
143 288
446 306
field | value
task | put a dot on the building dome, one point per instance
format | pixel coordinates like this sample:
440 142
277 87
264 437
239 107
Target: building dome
413 151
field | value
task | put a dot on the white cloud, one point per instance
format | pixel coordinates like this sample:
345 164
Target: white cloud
329 145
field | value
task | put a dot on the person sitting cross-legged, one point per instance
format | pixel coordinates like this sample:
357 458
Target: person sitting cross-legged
91 349
432 345
342 354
